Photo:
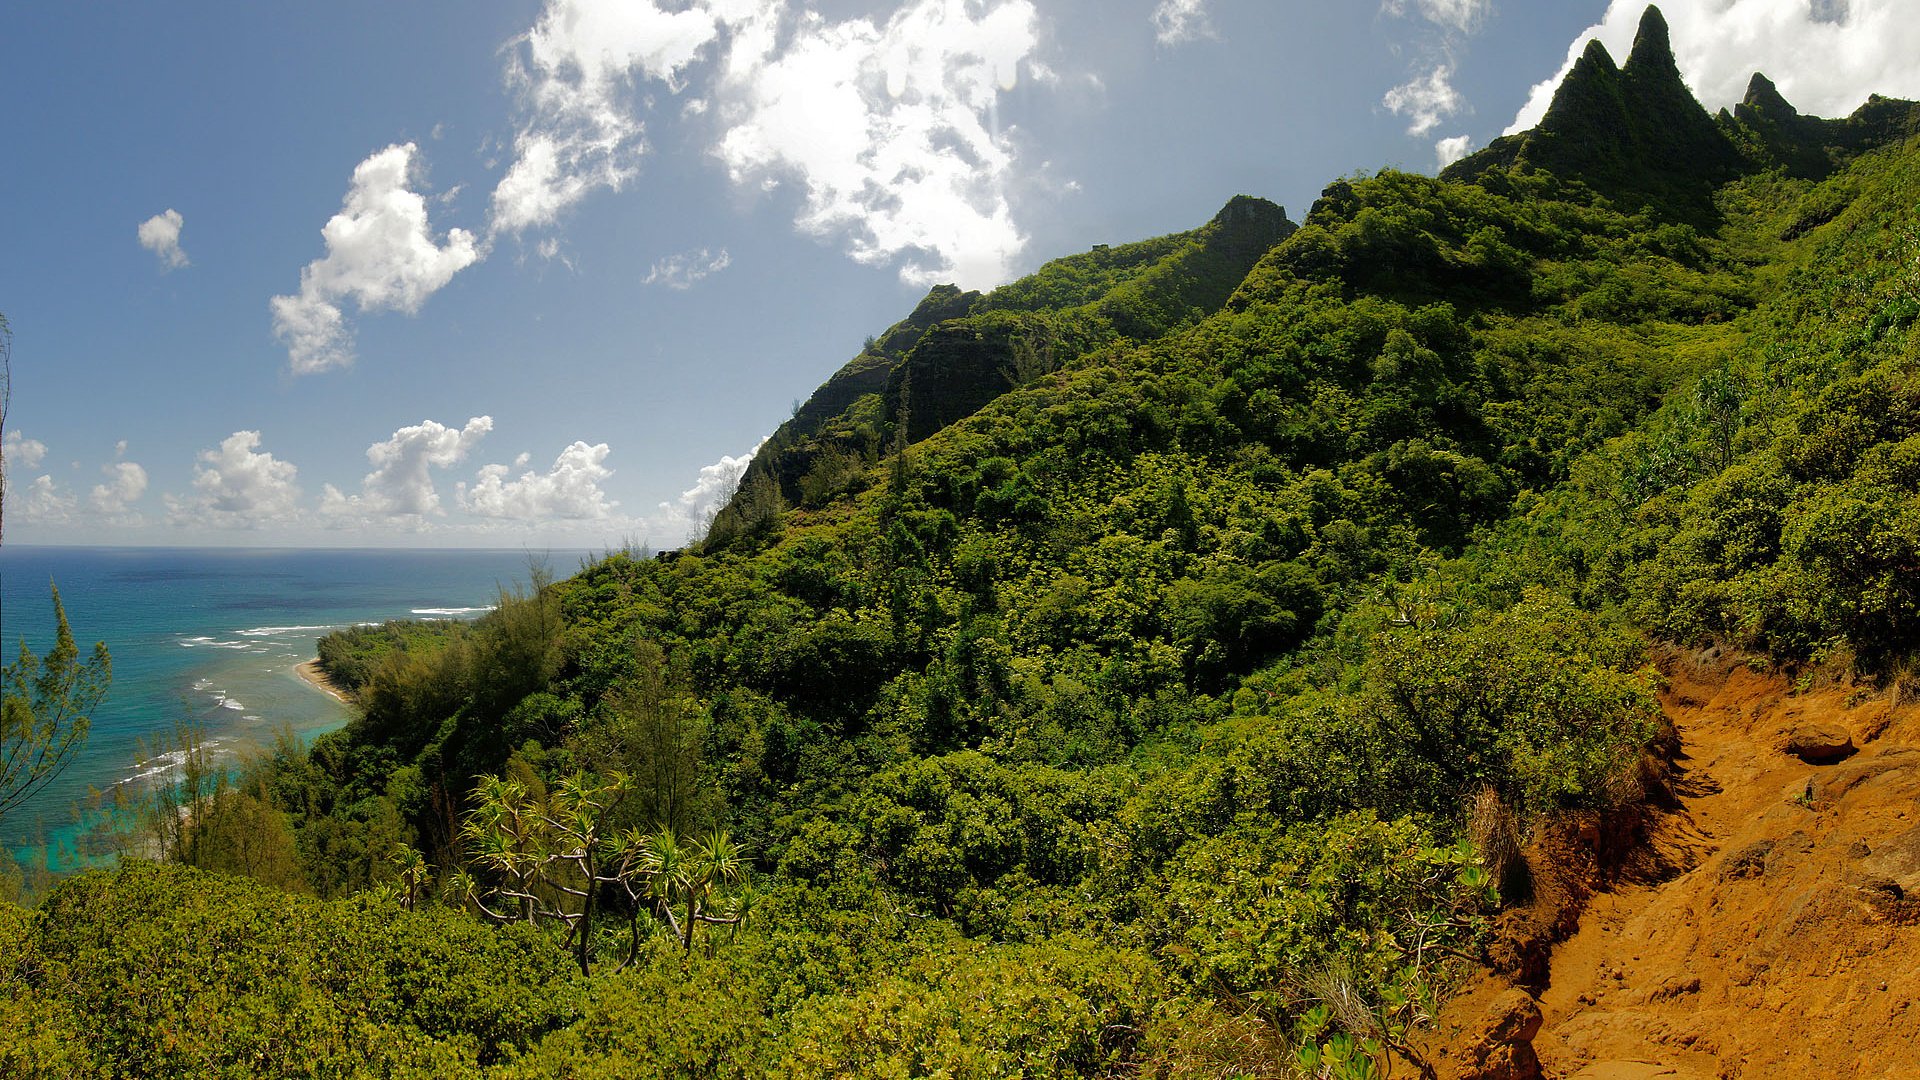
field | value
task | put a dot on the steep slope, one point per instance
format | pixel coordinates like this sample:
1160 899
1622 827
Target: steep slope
1633 133
1785 946
1772 132
1636 135
960 350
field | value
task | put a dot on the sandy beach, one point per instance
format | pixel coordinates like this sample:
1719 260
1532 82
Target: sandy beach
311 673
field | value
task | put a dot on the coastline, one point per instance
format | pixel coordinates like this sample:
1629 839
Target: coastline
311 673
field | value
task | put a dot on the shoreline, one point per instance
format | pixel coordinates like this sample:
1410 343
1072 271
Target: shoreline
310 672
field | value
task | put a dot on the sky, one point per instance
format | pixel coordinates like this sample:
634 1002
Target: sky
544 272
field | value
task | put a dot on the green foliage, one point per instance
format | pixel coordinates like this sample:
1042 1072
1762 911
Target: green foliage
1113 672
557 856
1065 1008
45 703
260 983
351 656
1533 703
696 1016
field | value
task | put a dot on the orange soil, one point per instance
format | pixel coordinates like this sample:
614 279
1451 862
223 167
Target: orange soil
1784 940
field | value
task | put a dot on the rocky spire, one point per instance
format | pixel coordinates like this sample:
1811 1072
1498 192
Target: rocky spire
1591 89
1652 55
1634 133
1764 102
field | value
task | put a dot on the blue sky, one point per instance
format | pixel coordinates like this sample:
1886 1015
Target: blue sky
544 273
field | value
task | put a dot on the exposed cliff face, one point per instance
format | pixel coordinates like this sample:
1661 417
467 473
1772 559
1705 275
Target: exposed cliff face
960 366
867 372
960 350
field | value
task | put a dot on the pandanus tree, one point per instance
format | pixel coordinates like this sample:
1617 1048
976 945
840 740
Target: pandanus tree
554 857
702 882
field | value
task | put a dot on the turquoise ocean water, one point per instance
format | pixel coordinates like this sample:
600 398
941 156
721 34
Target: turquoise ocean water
212 636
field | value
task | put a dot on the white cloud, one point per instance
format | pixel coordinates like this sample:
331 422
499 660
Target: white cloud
401 483
1459 16
570 490
890 132
690 514
1825 56
381 255
22 452
126 483
238 486
1452 149
160 234
682 270
44 503
1425 102
574 70
888 129
1178 21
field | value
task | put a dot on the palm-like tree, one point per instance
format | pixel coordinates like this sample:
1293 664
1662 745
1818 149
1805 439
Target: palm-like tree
551 855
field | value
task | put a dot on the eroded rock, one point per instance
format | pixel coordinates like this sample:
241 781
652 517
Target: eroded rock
1819 743
1500 1045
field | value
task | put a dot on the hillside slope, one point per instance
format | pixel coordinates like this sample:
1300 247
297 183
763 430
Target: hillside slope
1785 945
959 350
1158 672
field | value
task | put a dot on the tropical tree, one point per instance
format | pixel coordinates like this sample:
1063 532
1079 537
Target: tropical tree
703 882
45 708
554 858
45 703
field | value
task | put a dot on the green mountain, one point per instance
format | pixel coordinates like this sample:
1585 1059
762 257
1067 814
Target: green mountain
959 351
1155 666
1636 135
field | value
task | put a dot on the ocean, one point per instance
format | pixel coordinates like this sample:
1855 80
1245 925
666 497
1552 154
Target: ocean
211 636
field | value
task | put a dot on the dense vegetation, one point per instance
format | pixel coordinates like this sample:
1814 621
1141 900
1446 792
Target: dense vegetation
1119 672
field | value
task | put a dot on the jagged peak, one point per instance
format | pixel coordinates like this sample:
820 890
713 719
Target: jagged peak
1652 53
1594 57
1592 83
1765 100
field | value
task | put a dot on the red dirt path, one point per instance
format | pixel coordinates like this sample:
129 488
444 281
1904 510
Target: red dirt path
1784 940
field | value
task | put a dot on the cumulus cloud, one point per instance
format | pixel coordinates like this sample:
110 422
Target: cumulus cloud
1425 101
888 129
237 485
126 483
44 503
1459 16
682 270
568 491
22 452
690 514
381 255
1826 56
401 483
1179 21
160 234
573 71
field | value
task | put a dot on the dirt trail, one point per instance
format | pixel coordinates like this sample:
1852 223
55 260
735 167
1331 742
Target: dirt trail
1785 938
